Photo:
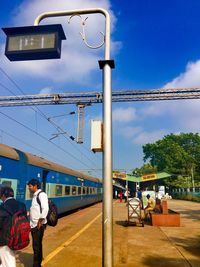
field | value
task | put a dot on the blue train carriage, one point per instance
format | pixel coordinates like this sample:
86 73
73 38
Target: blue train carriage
69 189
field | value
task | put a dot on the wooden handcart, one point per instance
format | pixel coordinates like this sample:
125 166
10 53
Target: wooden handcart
135 212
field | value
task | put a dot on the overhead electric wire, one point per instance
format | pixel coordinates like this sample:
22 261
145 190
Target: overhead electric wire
44 116
27 144
41 113
43 137
62 115
5 87
59 128
65 132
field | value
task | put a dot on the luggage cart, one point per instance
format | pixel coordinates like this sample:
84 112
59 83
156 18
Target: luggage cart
134 212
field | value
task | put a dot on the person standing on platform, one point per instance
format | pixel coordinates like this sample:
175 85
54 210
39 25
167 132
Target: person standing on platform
139 195
9 206
125 195
38 220
120 196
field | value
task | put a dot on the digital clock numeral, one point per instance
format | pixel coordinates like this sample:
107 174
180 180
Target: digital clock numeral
31 42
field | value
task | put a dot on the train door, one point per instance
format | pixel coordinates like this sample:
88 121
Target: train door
44 180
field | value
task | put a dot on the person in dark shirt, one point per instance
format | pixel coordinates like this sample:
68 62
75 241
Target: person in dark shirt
139 195
7 208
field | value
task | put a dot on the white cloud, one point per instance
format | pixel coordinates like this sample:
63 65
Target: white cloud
77 61
124 114
72 66
184 113
148 137
190 78
137 135
187 114
46 90
29 10
129 131
154 110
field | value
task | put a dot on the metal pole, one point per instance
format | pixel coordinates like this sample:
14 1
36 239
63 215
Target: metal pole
192 176
107 223
126 187
107 64
107 167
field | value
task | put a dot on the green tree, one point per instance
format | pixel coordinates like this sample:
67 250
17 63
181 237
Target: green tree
145 169
177 154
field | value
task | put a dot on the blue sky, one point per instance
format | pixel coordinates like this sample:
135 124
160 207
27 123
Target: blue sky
155 44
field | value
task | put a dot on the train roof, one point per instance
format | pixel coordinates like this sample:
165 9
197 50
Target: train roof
10 152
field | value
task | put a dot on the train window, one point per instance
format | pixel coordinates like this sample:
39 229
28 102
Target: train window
99 190
84 190
79 190
67 190
74 190
58 190
90 190
7 183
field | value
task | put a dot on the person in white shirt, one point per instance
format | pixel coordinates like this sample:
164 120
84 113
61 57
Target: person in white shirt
38 214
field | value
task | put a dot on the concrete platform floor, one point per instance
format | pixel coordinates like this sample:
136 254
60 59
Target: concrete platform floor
76 240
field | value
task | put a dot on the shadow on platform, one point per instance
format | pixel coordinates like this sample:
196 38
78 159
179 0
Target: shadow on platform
24 259
153 261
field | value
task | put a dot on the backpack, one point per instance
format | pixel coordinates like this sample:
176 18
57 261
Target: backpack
52 216
18 231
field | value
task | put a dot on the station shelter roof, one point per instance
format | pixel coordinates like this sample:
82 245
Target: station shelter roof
139 179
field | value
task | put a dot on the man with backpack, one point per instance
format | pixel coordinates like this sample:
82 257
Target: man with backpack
38 221
8 209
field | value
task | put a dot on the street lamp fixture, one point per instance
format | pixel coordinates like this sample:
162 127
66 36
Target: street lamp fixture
33 43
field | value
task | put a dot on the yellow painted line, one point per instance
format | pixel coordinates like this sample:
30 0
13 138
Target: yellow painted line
66 243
